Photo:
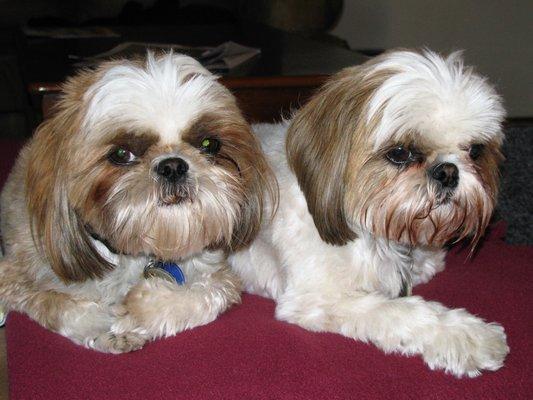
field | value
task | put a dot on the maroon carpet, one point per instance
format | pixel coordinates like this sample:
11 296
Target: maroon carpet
247 354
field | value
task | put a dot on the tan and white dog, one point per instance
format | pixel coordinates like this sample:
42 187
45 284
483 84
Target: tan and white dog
143 160
384 165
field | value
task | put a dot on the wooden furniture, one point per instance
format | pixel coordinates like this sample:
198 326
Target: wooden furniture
289 68
262 99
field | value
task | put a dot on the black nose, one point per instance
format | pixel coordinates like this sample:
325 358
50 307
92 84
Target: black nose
172 169
446 174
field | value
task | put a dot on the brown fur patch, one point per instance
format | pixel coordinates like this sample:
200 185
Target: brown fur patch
102 187
323 137
487 167
56 225
136 142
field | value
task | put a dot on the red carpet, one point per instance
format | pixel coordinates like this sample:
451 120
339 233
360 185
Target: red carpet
247 354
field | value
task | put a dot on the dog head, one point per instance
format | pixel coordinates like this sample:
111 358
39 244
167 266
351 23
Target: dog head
406 146
153 157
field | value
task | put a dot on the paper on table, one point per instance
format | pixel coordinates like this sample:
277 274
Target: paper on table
70 33
223 58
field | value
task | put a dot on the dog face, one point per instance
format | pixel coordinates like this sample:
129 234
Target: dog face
406 146
153 158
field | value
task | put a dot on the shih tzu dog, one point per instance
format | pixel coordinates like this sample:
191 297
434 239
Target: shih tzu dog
119 212
387 163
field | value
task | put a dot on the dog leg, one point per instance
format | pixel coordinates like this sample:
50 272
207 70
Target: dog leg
453 340
160 308
84 322
426 263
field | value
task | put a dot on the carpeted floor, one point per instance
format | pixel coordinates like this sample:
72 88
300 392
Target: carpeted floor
3 365
248 354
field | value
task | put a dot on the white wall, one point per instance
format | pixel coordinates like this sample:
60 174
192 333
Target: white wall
497 36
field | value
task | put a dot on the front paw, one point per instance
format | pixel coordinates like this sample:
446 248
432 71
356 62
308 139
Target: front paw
466 345
159 308
116 343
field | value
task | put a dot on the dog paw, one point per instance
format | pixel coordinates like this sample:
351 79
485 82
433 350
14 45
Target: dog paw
117 343
467 345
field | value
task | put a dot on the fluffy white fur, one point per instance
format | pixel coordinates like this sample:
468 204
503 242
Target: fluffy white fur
164 96
353 289
436 95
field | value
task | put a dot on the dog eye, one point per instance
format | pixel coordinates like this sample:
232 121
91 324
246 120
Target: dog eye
121 156
210 145
399 155
476 150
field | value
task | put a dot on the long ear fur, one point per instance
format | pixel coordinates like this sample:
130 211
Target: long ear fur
260 187
56 227
321 139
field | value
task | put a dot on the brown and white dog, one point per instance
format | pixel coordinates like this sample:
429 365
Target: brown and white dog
143 160
387 162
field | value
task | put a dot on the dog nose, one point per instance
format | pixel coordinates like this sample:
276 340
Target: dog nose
172 169
446 174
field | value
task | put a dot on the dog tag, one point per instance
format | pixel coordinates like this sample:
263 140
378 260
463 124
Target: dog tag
168 271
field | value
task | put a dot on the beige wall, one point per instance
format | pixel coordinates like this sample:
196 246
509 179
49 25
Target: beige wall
497 36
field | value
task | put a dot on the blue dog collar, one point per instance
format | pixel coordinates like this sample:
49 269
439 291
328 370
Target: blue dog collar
166 270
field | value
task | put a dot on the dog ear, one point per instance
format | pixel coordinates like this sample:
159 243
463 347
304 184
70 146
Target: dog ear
260 190
56 227
321 140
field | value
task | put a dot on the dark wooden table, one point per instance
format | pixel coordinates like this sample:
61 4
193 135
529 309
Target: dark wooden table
261 99
282 78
